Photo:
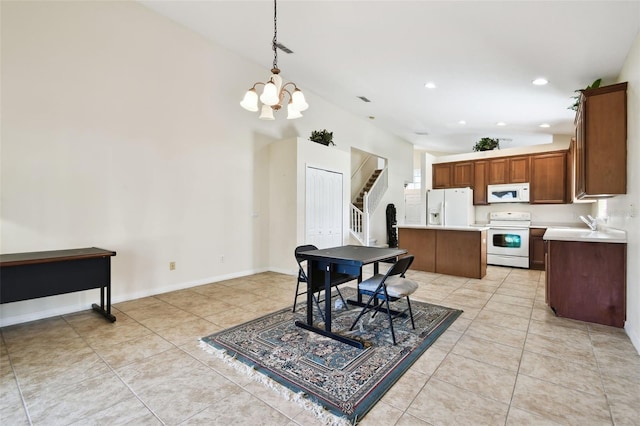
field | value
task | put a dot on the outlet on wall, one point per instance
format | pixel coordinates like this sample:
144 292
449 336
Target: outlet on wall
221 259
172 266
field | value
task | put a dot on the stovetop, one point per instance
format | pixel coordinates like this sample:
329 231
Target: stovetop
510 219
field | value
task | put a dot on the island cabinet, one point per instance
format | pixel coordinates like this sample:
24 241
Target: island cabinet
586 281
461 253
601 142
446 251
549 178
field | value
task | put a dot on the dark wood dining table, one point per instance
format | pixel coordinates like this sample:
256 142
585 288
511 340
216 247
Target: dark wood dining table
346 260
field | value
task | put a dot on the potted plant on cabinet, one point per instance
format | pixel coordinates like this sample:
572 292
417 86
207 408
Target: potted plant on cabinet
487 144
323 137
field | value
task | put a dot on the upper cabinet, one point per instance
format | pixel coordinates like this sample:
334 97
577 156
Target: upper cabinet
601 142
548 178
463 174
442 175
453 175
519 169
508 170
480 175
546 173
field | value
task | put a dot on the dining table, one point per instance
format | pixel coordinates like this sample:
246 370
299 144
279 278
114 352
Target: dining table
349 259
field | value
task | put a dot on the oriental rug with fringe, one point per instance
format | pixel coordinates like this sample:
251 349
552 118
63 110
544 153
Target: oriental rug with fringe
338 382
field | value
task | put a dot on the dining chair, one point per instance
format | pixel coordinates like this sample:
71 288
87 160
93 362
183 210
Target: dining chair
317 280
386 288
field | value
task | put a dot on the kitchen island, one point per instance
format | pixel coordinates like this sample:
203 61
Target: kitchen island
454 250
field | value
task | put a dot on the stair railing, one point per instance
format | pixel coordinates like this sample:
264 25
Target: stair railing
376 192
360 219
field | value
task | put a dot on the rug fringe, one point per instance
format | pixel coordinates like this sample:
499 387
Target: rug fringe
300 398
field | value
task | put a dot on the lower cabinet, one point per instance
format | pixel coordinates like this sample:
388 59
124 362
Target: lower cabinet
536 248
451 252
586 281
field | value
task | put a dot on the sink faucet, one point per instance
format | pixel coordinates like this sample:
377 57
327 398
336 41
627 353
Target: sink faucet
591 222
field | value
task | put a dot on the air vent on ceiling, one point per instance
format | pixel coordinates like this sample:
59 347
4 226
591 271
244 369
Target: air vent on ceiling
422 133
284 48
363 99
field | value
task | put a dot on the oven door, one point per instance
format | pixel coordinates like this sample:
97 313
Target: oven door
508 241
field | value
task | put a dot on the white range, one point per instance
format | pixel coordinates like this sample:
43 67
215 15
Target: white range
508 239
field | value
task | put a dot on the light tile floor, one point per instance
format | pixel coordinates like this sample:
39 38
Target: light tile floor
506 361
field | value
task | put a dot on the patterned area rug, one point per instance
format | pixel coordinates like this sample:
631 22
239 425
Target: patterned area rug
337 377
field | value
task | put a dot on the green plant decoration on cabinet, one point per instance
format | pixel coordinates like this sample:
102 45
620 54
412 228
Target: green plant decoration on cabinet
323 137
487 144
576 98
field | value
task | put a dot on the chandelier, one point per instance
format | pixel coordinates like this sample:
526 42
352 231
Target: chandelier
273 93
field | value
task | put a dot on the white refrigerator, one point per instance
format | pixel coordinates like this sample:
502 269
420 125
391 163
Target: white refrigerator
450 207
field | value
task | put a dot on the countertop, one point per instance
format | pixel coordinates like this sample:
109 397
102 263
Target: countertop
446 228
606 235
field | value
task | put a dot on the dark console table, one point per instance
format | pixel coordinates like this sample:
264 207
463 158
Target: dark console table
25 276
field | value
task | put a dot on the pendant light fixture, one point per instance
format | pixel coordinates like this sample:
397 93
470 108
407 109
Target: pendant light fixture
273 93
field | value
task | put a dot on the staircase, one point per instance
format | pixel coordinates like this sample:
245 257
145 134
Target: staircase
359 201
365 204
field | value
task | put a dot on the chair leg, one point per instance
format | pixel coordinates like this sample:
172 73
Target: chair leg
411 313
393 334
317 300
295 298
344 302
362 312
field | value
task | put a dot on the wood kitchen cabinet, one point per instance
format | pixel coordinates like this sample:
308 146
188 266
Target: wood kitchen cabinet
536 248
480 174
509 170
462 174
421 243
453 175
587 281
442 175
451 252
601 142
549 178
461 253
519 169
548 174
498 171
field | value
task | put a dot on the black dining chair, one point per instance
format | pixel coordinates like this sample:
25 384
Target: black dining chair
317 280
386 288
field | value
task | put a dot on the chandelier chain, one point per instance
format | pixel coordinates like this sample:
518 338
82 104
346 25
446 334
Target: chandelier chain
275 35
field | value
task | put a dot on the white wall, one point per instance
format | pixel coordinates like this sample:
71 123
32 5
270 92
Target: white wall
122 130
623 210
287 195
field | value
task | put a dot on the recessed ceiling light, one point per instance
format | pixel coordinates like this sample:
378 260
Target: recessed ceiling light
545 125
540 81
462 122
501 123
430 85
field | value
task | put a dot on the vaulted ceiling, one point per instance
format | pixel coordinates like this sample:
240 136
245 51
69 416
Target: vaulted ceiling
481 55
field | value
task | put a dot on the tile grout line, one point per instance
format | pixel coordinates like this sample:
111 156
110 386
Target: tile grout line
15 376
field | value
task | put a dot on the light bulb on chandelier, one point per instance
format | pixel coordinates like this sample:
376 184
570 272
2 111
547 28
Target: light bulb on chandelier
273 93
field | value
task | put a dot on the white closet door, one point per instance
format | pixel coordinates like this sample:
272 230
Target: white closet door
323 218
